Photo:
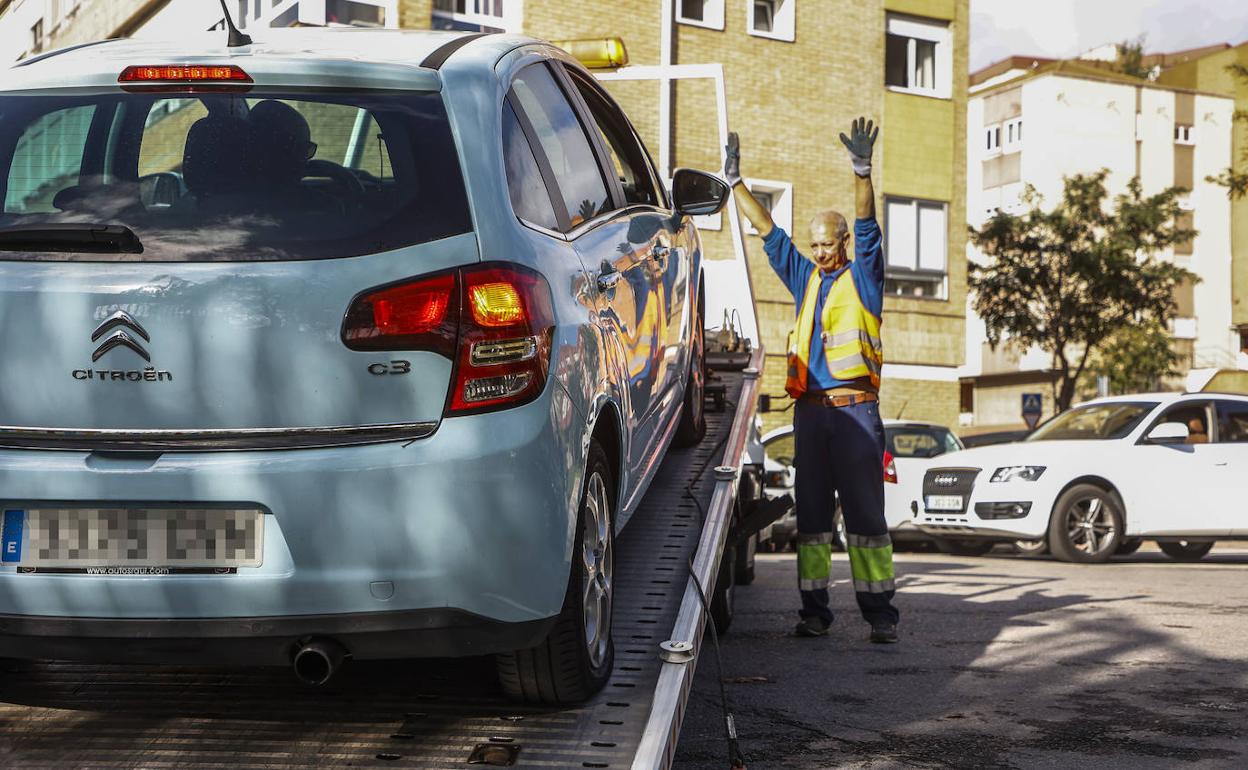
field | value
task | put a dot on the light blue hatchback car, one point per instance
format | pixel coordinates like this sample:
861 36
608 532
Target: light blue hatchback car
342 343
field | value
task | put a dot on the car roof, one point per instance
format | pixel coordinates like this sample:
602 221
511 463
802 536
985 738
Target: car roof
335 56
1165 398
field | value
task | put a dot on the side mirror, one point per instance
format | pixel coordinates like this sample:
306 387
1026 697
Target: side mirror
1168 433
697 193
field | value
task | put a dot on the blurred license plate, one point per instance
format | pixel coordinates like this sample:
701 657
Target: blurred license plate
133 540
944 502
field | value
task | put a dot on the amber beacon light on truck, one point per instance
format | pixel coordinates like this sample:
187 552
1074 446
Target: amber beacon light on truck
599 54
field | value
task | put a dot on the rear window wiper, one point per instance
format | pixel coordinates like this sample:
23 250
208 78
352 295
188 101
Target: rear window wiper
73 238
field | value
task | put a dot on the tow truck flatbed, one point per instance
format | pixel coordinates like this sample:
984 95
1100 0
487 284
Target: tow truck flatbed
425 713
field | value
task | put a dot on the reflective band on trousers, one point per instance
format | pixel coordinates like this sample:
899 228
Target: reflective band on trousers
871 565
814 563
818 538
868 541
882 586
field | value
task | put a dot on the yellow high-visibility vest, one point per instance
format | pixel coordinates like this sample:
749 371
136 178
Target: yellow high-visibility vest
851 335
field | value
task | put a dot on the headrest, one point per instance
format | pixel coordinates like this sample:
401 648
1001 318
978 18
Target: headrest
281 143
214 162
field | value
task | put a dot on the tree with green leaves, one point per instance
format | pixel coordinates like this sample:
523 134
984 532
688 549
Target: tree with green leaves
1134 359
1130 59
1233 179
1067 279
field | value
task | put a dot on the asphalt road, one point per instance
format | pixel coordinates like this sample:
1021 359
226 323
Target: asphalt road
1004 661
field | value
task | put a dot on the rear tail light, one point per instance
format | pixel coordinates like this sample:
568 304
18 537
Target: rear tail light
494 321
504 339
890 468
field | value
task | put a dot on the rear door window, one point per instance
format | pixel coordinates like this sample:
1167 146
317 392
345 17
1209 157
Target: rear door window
530 198
231 177
562 140
1232 422
47 159
628 157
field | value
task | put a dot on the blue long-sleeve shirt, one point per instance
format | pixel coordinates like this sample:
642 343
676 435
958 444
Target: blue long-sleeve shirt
795 271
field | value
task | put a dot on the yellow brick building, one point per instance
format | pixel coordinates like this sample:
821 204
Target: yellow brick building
797 72
1211 71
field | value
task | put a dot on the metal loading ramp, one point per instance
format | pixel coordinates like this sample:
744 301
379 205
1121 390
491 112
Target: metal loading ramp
412 714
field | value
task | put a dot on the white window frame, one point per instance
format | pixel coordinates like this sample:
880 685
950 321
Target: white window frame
511 20
992 144
1184 134
782 202
712 14
261 13
783 23
931 30
1012 135
903 273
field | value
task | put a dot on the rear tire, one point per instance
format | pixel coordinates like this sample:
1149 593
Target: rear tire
692 427
1185 551
1086 525
745 560
575 660
1032 547
1129 546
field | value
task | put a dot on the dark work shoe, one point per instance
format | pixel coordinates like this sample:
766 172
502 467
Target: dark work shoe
812 627
884 633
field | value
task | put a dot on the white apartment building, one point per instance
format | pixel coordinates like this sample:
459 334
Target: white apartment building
1057 119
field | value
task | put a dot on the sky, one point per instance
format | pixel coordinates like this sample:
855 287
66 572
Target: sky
1059 28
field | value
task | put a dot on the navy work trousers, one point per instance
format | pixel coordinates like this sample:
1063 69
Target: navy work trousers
839 451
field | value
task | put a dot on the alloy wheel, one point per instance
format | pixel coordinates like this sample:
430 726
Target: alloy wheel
1090 525
598 571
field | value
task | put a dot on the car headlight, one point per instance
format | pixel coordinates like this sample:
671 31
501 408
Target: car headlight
1018 473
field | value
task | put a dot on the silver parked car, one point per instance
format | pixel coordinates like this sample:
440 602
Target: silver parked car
343 343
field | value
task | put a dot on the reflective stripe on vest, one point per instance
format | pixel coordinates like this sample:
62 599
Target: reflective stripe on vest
851 336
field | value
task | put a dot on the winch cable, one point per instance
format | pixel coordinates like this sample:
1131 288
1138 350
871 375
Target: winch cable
736 761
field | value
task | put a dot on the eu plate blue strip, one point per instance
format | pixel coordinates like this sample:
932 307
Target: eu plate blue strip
11 537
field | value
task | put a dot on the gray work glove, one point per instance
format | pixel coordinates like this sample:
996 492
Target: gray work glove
732 164
861 143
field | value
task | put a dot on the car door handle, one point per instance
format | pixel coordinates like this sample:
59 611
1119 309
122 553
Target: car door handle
660 254
608 277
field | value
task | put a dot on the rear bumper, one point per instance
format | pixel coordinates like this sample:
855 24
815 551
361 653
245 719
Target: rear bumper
478 519
270 641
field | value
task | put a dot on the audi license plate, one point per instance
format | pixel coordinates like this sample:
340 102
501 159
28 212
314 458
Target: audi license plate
944 502
133 541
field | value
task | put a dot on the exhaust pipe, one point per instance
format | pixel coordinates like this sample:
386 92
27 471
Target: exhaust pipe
316 662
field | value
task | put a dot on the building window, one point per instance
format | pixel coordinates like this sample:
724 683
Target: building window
992 143
701 13
318 13
1184 134
1012 134
917 238
775 19
477 15
777 198
36 37
918 56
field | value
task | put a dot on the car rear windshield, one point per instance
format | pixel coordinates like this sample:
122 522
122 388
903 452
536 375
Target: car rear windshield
1094 422
229 177
920 440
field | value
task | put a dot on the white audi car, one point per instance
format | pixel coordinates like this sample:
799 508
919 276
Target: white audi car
1102 477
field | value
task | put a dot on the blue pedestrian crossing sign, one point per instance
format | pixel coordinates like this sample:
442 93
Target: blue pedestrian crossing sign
1033 407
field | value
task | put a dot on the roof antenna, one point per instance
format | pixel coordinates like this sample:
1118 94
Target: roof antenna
237 38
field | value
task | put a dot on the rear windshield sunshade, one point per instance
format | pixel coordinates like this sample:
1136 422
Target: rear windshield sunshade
206 177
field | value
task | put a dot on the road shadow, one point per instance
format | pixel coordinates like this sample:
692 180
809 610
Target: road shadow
999 666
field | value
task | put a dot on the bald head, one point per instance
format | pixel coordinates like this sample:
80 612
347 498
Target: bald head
829 240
